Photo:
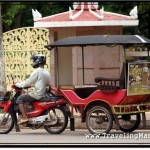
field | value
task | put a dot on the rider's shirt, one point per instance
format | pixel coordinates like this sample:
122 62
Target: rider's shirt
39 79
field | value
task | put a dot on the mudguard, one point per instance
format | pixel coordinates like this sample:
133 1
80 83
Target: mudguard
67 110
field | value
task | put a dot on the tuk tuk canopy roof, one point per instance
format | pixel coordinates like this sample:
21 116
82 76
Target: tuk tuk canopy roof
99 40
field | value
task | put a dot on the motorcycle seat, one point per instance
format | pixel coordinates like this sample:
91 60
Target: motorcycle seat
44 99
48 99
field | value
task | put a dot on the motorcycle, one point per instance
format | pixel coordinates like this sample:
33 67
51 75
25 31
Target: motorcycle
50 112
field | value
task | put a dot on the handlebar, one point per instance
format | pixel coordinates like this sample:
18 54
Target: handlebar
18 88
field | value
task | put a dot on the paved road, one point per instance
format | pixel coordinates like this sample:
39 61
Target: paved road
78 137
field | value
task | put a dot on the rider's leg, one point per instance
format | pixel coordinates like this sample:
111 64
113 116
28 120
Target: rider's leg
24 116
22 110
20 101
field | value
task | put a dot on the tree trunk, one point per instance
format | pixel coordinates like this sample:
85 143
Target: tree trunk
17 23
2 66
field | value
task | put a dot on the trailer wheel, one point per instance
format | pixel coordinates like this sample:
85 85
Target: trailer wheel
99 120
129 122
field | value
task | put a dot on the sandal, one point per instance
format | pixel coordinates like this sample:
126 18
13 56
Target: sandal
22 120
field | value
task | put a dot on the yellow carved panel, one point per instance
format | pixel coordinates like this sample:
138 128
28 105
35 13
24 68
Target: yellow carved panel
19 45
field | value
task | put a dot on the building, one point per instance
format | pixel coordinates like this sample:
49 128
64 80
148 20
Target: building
85 19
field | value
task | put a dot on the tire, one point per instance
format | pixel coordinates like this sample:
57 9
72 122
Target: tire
6 122
99 120
59 116
130 122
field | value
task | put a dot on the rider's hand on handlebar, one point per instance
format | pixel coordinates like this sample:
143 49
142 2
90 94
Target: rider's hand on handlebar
19 86
14 86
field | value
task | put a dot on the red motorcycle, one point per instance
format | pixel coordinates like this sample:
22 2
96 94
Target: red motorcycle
50 112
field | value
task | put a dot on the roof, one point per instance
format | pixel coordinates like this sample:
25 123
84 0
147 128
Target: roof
99 40
86 14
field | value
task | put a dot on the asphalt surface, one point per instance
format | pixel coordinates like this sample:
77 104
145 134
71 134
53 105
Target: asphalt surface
76 138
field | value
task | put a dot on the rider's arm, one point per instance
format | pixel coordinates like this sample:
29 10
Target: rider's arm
30 81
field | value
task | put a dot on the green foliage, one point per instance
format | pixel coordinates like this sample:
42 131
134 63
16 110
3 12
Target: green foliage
118 7
10 10
144 18
19 14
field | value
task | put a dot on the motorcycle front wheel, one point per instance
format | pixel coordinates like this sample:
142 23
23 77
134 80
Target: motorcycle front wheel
6 122
57 120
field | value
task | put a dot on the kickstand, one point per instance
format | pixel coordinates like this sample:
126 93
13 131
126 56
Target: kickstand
17 128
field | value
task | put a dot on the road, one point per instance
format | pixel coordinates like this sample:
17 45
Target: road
78 137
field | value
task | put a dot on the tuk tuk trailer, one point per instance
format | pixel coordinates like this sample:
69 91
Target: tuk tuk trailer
119 101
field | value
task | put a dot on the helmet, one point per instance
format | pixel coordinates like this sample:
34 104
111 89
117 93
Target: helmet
38 59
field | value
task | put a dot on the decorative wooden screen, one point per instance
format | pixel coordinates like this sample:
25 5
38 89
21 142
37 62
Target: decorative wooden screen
19 45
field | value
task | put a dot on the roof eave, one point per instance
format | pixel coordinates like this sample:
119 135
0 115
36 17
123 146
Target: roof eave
87 23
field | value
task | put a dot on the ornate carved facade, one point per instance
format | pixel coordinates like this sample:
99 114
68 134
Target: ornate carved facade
19 46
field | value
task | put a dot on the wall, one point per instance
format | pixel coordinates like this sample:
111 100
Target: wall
99 60
65 76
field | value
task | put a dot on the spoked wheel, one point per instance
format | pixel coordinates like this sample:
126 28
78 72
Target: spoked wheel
57 120
99 120
129 122
6 122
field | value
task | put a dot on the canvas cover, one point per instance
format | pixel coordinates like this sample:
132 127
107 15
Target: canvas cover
100 40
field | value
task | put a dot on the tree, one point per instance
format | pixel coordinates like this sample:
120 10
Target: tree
19 14
2 72
144 17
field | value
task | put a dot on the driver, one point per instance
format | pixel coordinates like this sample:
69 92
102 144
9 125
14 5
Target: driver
39 79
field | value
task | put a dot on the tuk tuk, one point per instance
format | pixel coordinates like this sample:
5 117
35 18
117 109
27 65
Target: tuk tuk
122 101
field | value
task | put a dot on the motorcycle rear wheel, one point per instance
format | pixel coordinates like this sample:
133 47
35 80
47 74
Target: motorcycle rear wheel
6 122
58 115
